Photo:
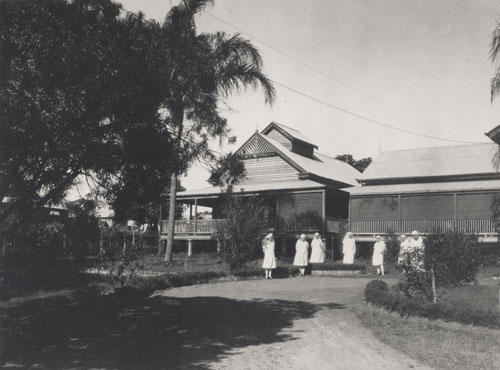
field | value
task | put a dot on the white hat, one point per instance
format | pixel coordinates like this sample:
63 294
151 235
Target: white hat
414 232
302 235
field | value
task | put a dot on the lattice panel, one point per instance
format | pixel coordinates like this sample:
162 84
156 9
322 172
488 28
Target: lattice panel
257 147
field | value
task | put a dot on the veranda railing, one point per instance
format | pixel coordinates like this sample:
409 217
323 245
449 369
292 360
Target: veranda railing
479 226
278 225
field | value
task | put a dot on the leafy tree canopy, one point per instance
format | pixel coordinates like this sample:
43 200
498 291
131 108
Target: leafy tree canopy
360 164
78 95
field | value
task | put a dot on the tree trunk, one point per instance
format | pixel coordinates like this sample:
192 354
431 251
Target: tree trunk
158 228
171 218
178 118
433 282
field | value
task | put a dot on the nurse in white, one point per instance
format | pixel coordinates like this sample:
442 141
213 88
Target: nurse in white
269 262
349 248
317 250
379 249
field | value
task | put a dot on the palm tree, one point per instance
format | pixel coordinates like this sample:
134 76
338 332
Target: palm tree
495 81
199 70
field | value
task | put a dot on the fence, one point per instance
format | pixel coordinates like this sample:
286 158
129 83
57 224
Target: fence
62 246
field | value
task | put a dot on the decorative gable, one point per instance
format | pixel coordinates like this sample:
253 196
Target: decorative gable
256 147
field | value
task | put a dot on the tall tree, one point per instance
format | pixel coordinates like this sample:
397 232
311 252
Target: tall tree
74 77
200 69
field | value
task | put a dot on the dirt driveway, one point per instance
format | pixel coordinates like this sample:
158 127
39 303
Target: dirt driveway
297 323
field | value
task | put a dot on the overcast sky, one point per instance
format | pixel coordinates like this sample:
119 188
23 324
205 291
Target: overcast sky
426 60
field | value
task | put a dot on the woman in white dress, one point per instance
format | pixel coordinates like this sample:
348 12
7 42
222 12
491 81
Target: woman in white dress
378 255
349 248
269 262
301 251
317 250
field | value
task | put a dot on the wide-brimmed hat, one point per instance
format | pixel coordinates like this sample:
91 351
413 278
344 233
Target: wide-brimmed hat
414 232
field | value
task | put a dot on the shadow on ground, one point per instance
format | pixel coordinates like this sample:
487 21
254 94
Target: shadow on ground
153 333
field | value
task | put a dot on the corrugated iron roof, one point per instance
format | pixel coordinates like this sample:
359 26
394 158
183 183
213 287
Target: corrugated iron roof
323 165
434 187
429 162
294 133
255 187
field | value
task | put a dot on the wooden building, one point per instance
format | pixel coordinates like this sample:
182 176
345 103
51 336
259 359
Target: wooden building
426 189
300 185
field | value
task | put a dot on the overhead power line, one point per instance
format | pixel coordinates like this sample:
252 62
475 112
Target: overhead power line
380 123
340 82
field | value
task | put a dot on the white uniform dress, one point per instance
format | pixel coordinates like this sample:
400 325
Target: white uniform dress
269 258
317 251
349 250
378 253
301 250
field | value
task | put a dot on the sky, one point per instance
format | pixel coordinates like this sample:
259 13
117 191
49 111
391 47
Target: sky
420 65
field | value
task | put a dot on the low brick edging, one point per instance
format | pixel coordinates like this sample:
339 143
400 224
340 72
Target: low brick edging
337 272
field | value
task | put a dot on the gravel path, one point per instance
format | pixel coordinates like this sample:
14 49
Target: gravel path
296 323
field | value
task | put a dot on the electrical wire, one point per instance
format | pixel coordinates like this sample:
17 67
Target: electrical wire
336 79
380 123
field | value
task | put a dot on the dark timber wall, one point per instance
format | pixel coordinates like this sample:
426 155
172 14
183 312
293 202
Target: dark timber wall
375 208
276 135
430 206
337 205
291 205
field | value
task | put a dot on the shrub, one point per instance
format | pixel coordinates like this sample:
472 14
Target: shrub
393 245
376 290
241 233
121 259
453 256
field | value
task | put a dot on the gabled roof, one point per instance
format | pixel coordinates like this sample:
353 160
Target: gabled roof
321 166
453 161
289 133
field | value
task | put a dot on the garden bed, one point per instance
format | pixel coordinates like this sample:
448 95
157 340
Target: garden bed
470 305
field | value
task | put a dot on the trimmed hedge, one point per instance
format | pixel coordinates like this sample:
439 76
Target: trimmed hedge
150 284
338 267
378 293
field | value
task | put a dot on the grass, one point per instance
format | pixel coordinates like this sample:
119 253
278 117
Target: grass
439 344
446 346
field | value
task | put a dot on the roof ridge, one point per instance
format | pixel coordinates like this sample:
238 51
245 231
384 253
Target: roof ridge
437 147
281 124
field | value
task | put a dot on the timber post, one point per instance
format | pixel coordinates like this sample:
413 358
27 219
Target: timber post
190 247
4 245
159 230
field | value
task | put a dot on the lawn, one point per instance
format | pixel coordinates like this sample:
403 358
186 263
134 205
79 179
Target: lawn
444 345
